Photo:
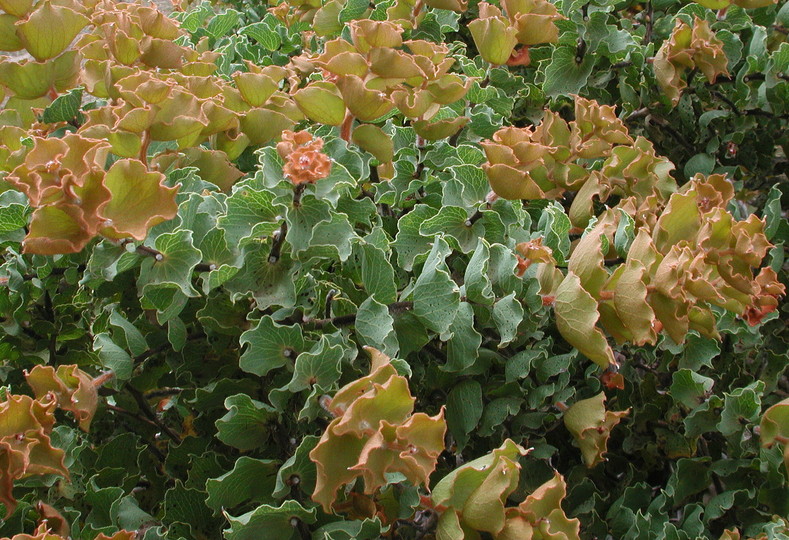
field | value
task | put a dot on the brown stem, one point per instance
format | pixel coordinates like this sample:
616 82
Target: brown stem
279 239
345 128
347 320
146 409
146 142
417 10
298 191
103 378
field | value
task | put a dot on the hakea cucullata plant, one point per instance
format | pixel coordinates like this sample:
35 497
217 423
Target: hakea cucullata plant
688 254
473 498
546 161
26 424
158 91
692 257
75 199
323 15
375 432
377 71
524 22
686 49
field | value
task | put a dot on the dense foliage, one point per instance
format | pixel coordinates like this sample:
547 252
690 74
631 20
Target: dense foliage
406 269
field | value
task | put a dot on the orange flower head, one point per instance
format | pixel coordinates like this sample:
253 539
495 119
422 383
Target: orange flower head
304 161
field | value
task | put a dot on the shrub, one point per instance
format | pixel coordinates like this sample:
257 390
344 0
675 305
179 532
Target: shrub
556 228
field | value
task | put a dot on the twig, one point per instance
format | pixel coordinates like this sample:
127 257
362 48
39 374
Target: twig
648 24
347 320
279 239
151 446
142 357
146 409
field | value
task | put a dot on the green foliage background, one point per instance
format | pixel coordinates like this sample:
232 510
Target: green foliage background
223 350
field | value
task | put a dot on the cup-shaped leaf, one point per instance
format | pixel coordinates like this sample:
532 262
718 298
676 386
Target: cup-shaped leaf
364 103
449 88
9 41
534 20
162 53
374 140
439 129
213 166
73 388
590 425
415 102
125 48
139 201
511 183
30 80
452 5
263 125
393 64
576 318
321 102
232 143
50 29
366 34
495 38
255 88
17 8
774 427
57 229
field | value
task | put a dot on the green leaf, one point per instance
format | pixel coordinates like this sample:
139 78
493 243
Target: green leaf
263 34
271 346
698 351
700 163
369 529
507 314
64 108
245 424
375 327
270 522
113 357
436 296
14 211
377 274
409 243
250 480
625 233
563 74
354 9
222 23
298 471
319 368
555 227
178 260
691 476
302 220
135 341
741 405
463 346
772 212
187 506
246 208
453 221
689 388
464 409
478 286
